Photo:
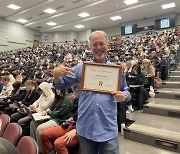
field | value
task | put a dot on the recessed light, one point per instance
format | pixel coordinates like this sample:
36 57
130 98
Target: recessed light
79 26
22 20
167 6
51 23
13 6
116 18
50 11
84 14
129 2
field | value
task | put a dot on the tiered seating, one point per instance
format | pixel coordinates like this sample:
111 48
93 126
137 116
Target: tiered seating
158 125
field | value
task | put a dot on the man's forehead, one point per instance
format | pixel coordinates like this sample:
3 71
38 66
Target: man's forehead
98 36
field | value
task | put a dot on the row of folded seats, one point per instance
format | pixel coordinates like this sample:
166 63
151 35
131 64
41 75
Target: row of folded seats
11 138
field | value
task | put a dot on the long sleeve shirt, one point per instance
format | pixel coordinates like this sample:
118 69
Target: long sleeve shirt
97 112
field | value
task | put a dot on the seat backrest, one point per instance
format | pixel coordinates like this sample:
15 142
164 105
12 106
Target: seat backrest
5 121
13 133
27 145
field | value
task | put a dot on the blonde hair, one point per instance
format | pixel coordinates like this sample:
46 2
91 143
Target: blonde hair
31 82
146 61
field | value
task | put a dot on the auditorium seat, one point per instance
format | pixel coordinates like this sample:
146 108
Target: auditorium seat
5 121
27 145
12 133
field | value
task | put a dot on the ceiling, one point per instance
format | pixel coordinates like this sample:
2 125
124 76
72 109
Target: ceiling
66 15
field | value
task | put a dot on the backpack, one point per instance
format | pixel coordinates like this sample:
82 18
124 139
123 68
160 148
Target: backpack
157 82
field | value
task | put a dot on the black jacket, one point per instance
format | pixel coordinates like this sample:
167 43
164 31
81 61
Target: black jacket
20 96
135 79
32 97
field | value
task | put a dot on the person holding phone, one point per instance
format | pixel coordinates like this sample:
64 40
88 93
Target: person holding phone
63 136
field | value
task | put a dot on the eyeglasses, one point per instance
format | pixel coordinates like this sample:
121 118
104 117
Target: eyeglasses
96 44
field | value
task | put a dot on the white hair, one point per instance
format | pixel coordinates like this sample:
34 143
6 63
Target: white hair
100 32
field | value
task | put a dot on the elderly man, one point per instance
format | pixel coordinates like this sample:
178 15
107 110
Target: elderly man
97 112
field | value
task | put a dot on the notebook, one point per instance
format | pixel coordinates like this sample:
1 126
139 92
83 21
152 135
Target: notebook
35 116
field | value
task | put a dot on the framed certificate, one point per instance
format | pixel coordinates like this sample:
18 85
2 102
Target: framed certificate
101 77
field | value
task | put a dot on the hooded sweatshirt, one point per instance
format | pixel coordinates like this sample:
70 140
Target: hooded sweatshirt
44 101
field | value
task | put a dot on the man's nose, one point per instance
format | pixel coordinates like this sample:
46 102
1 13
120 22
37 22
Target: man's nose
98 46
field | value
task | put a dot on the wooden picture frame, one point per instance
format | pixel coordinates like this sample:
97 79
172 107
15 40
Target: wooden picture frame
104 78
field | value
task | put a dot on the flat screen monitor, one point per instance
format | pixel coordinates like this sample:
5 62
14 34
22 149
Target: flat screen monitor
128 29
165 23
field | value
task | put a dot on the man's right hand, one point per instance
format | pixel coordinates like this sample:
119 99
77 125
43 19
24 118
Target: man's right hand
61 71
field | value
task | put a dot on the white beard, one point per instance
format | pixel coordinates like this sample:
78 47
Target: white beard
97 57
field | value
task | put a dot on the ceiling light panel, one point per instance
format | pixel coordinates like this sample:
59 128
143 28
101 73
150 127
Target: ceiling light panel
13 6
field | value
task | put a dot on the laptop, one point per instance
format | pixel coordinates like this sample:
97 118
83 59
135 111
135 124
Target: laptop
35 116
18 106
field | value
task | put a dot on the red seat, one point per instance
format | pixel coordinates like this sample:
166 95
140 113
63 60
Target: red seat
27 145
5 121
13 133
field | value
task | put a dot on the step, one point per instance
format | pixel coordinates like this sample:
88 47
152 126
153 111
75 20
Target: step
171 93
171 84
164 107
131 147
178 69
175 73
174 78
155 130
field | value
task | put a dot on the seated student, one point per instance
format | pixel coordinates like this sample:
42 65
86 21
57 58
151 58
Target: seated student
39 76
24 77
11 78
147 68
49 77
7 88
44 102
59 110
128 67
6 92
149 71
31 96
64 136
17 94
136 77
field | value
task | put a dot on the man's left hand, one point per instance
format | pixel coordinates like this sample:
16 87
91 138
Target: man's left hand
120 96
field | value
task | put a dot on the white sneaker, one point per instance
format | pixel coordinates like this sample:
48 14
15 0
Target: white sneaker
128 111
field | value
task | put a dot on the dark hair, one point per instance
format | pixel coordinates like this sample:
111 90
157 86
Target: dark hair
137 68
16 85
49 74
58 100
